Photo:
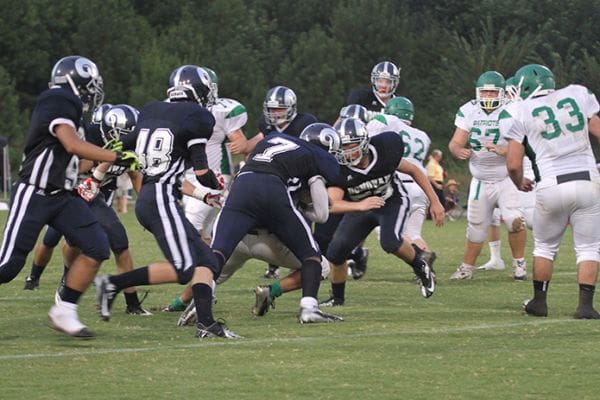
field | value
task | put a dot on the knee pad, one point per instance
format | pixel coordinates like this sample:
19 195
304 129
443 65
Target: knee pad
587 253
117 237
476 233
547 252
389 243
185 275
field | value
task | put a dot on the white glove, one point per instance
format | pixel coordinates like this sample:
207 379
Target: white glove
88 189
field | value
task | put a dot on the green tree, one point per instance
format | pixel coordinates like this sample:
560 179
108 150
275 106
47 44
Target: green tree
14 121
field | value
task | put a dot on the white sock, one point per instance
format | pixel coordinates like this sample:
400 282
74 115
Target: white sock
309 302
495 248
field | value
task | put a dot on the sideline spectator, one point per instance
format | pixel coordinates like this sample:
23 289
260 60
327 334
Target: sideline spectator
436 174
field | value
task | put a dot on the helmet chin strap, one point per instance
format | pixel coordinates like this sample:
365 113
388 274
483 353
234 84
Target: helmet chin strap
72 85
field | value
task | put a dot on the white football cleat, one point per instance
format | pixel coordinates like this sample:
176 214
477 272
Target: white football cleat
493 265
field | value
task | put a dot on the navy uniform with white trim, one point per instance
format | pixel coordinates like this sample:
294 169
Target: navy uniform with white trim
43 193
369 169
260 198
171 137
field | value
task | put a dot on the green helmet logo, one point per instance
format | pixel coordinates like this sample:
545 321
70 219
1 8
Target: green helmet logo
489 90
535 80
402 108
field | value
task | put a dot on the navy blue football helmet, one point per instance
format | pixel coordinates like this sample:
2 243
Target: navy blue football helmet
189 83
80 75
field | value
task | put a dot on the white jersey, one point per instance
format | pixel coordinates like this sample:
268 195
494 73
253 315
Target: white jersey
416 142
230 115
556 127
483 128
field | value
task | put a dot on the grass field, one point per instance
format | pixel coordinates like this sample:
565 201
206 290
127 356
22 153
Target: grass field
469 341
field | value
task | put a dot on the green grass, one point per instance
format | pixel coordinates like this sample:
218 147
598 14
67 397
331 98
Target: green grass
469 341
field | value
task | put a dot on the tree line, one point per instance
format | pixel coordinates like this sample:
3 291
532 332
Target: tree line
319 48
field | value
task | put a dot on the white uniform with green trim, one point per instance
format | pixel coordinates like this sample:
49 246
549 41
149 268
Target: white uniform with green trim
490 185
416 148
230 115
556 127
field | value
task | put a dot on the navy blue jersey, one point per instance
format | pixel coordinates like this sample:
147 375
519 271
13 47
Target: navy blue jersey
367 99
163 136
46 164
293 160
377 179
295 128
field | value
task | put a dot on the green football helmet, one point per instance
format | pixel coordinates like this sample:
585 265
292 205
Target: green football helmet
490 81
213 95
402 108
535 80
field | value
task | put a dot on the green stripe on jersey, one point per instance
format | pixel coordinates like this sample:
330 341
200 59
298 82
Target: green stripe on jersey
237 110
380 118
504 114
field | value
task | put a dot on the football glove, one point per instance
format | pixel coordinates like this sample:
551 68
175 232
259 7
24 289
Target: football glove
127 159
88 189
213 200
212 181
114 145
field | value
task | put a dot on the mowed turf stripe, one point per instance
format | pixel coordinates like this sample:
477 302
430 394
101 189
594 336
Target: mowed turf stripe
243 342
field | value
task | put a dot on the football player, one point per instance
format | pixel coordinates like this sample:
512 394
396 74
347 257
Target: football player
43 193
557 124
477 139
369 166
385 77
280 115
260 197
230 117
169 136
397 117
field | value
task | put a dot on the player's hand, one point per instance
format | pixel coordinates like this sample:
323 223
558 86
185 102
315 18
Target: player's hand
526 185
114 145
464 154
371 203
127 159
438 214
88 189
214 200
500 150
211 181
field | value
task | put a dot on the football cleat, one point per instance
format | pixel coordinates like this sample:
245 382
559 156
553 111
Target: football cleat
137 310
188 316
492 265
65 320
105 295
535 308
359 265
314 315
462 272
31 283
586 313
332 302
216 330
264 301
271 273
426 274
519 271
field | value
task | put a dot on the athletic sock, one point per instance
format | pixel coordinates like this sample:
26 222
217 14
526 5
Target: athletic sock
276 290
338 290
137 277
203 302
36 271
